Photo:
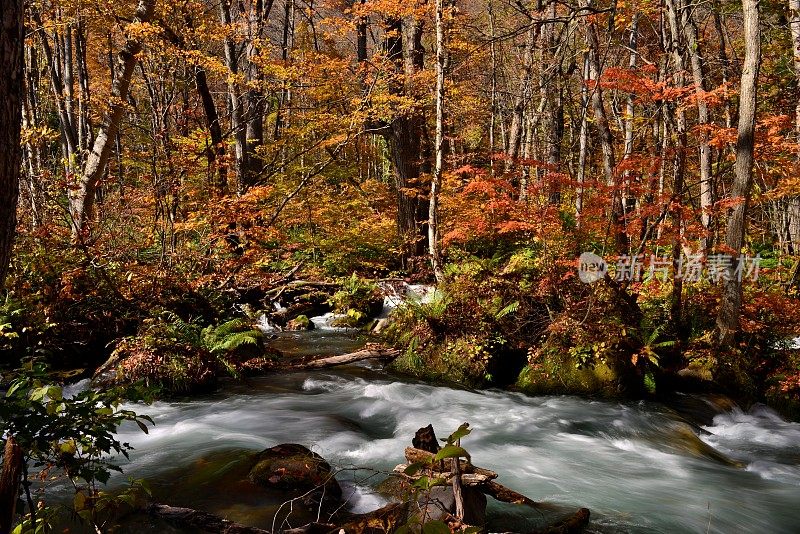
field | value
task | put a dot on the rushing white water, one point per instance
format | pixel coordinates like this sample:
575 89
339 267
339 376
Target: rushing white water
626 462
265 325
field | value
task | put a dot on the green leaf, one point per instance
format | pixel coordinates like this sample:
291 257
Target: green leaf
462 431
413 469
435 527
450 451
142 426
55 393
14 387
38 394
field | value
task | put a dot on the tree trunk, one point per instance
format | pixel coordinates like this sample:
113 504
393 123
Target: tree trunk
606 137
433 206
676 46
521 102
730 307
256 103
706 186
404 139
81 200
11 472
238 126
583 138
12 39
216 154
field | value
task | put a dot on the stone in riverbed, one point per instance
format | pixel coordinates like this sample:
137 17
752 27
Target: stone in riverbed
294 468
301 322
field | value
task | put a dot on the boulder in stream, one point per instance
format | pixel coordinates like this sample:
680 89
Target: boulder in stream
296 469
301 322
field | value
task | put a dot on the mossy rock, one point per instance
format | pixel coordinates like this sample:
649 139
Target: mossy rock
181 369
301 322
294 468
558 374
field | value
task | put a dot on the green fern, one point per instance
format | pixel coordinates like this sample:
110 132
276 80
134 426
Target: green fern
508 310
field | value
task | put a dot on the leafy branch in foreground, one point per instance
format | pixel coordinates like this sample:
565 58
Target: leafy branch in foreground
68 438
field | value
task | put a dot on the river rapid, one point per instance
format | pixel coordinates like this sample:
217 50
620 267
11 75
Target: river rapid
639 467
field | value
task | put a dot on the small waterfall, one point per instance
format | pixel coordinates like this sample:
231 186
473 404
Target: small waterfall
325 322
265 326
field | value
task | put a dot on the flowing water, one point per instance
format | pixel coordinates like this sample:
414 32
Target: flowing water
639 467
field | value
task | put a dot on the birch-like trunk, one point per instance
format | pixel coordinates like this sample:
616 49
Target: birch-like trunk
436 183
81 199
698 76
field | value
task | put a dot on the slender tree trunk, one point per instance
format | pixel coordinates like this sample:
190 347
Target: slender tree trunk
606 137
433 206
238 126
695 58
82 198
515 135
730 307
493 118
216 154
583 138
12 39
676 47
629 116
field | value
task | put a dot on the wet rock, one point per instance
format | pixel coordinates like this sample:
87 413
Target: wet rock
301 322
396 489
299 471
441 503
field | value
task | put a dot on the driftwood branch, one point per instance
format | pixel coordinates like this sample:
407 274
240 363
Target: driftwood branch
467 479
332 361
414 456
482 479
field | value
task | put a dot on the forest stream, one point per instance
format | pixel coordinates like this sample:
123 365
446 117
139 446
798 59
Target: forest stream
638 466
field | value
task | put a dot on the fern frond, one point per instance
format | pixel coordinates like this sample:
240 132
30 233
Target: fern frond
508 310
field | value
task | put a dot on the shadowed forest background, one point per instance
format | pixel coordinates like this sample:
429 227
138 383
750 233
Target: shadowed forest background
184 156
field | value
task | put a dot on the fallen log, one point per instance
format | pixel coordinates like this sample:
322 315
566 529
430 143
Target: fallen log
416 456
377 353
200 521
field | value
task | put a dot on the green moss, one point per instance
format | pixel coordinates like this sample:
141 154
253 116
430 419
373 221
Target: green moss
557 373
301 322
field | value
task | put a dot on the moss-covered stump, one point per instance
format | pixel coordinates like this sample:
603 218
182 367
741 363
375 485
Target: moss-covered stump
300 472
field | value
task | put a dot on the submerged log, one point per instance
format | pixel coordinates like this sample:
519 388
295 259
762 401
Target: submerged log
200 521
370 353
